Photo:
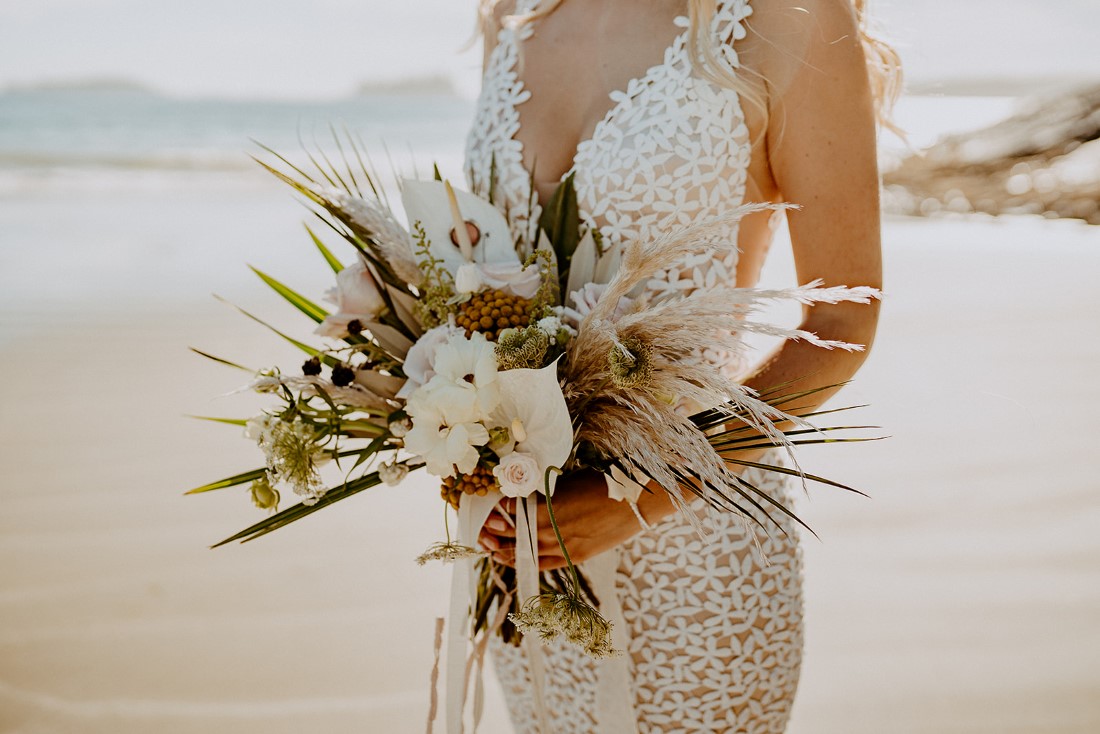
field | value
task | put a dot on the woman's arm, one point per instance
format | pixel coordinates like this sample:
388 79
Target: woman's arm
821 140
823 157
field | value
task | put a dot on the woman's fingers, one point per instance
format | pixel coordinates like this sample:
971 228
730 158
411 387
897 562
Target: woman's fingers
549 563
488 541
498 525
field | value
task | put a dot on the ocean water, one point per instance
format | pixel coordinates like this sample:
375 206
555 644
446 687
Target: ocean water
56 132
117 200
134 130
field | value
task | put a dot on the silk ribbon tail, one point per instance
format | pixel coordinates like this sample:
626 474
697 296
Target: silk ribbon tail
472 513
527 585
614 693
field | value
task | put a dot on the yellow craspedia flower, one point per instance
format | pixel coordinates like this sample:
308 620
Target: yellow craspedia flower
480 482
491 312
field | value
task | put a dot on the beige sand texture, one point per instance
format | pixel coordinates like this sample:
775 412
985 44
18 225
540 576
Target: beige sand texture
963 598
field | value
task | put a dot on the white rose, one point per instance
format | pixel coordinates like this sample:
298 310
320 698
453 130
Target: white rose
420 361
357 298
518 475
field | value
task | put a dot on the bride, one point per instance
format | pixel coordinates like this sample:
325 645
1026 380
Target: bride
668 112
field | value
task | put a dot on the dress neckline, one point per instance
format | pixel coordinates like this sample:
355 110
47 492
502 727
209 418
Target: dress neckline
619 97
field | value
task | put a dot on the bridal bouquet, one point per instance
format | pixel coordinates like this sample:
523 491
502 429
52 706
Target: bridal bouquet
497 364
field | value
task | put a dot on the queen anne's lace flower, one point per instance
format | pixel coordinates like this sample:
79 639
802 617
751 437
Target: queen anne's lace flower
293 453
522 348
448 553
553 615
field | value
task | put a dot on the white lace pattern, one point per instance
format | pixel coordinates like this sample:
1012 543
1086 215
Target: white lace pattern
715 622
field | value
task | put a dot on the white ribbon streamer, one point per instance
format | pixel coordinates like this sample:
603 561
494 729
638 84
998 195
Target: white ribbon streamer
527 586
472 513
614 694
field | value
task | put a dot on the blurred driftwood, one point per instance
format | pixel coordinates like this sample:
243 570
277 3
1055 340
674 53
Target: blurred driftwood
1044 160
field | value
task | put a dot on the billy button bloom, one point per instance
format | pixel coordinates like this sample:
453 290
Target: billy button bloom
491 312
480 482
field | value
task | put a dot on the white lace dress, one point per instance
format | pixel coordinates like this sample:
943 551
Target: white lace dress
715 623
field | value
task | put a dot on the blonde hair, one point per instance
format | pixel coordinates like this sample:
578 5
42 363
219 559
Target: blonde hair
883 62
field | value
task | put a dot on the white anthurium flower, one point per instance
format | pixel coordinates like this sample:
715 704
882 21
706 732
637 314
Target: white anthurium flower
428 203
357 298
446 443
420 360
621 487
533 408
466 374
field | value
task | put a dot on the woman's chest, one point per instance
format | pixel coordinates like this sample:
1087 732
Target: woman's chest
665 146
572 62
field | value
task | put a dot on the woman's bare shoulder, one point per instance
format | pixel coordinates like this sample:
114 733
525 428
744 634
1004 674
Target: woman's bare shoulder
788 38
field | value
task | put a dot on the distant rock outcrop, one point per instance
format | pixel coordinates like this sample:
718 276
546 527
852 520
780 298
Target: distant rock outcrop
1044 160
90 84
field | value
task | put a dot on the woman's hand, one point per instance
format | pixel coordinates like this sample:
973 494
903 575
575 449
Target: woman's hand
590 522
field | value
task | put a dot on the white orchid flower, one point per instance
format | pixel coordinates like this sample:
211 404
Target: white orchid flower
466 375
533 409
445 446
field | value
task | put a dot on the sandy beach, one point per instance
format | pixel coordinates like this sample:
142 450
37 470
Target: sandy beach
962 598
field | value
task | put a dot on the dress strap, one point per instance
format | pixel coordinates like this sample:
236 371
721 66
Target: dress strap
728 27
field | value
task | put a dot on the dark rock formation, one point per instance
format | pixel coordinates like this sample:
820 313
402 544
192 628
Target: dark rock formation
1044 160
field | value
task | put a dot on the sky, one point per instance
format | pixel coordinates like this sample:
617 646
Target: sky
326 48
